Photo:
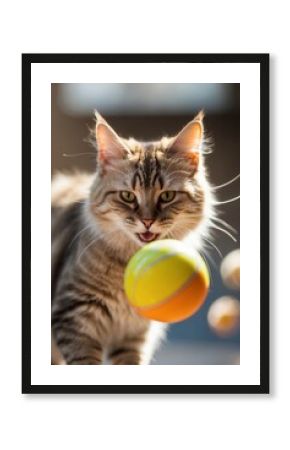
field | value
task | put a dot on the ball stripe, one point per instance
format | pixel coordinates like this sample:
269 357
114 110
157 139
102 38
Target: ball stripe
179 306
149 286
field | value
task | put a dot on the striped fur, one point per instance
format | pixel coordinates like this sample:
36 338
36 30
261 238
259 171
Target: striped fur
95 232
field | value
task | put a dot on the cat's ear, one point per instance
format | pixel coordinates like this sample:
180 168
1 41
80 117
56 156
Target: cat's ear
110 146
188 143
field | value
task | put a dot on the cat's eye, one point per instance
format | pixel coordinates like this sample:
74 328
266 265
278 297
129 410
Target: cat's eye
167 196
127 196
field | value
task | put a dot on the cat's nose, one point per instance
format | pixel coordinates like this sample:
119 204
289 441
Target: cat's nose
147 222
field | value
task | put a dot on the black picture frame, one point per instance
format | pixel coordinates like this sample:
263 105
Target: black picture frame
27 61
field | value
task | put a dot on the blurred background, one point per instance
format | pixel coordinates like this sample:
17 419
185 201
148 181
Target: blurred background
148 112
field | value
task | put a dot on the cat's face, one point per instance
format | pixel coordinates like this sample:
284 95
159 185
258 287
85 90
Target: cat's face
149 191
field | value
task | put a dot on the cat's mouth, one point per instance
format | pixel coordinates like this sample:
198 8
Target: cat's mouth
147 236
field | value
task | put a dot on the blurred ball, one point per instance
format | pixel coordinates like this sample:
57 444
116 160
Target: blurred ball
165 281
230 269
224 316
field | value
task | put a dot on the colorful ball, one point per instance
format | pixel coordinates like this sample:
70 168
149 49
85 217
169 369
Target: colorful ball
166 281
224 316
230 269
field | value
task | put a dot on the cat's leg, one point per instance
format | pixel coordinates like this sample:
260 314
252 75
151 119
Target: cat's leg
126 355
76 344
75 330
139 349
79 349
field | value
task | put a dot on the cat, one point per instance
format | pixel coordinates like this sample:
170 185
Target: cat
140 192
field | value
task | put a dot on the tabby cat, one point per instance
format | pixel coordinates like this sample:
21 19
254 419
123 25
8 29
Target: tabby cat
141 191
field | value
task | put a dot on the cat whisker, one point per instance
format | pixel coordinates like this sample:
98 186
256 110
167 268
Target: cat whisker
100 237
207 256
227 201
227 183
72 155
87 247
78 234
213 225
214 246
223 222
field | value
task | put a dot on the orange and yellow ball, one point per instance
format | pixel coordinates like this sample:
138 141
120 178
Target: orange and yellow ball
166 281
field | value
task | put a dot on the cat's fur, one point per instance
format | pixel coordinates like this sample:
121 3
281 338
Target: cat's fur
95 232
